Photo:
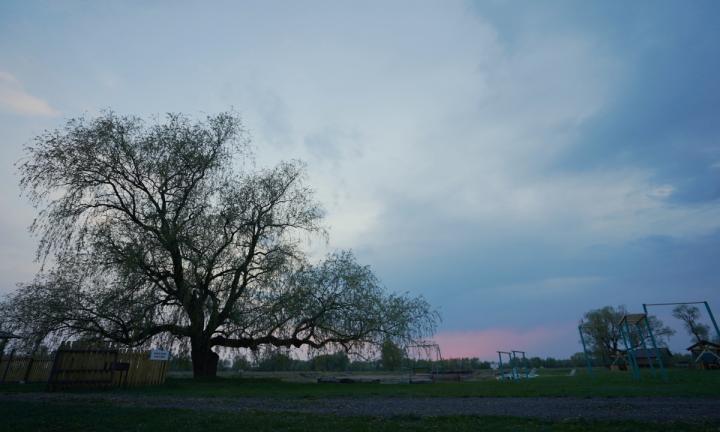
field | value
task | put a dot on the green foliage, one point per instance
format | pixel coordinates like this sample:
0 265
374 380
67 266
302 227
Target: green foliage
365 365
180 362
276 361
338 361
240 363
454 364
578 359
690 315
164 232
391 355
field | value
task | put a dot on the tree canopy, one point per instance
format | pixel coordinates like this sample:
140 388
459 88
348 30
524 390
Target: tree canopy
160 229
690 316
391 355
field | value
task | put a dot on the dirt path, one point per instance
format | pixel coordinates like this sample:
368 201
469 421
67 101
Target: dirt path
561 408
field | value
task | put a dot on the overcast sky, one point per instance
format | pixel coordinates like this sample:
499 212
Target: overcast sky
516 163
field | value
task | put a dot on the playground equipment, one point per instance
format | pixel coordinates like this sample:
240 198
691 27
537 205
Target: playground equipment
705 354
636 332
620 360
710 314
425 361
500 362
523 362
513 364
707 308
634 337
587 356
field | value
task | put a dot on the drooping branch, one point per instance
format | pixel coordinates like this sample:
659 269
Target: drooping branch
159 230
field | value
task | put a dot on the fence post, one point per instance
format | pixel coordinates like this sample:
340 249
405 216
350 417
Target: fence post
29 368
112 370
7 366
3 342
55 366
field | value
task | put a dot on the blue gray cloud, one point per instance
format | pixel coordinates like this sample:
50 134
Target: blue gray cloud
516 163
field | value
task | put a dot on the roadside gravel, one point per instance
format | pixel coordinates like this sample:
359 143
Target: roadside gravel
660 409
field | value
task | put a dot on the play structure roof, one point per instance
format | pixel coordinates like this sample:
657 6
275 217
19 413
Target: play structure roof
632 319
703 344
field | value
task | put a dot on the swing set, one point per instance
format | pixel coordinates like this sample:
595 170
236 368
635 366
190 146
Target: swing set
636 334
512 362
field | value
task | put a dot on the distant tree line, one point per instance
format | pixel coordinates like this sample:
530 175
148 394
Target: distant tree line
341 362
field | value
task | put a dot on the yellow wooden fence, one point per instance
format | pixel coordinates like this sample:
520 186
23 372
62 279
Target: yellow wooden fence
79 365
25 369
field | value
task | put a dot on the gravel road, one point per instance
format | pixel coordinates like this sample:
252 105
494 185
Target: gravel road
661 409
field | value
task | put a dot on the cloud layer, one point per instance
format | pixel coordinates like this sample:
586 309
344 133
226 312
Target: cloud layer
14 99
515 164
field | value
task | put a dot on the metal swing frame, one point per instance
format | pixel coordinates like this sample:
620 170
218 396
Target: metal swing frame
707 308
500 363
632 325
514 373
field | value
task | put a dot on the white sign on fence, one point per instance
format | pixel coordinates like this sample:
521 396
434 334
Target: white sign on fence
159 355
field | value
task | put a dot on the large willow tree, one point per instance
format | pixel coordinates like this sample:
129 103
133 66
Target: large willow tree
163 229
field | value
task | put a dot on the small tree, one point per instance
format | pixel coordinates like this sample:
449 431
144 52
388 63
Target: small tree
536 362
690 315
391 355
240 363
163 231
577 359
275 360
338 361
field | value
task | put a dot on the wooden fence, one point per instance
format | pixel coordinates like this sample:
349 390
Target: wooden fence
25 369
82 366
77 365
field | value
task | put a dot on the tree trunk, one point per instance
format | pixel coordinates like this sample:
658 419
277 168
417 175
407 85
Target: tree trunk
204 360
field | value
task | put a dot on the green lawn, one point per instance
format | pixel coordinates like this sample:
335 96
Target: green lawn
680 383
30 416
61 416
692 383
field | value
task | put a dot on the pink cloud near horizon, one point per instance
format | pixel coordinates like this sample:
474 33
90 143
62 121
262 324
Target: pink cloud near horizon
543 341
15 99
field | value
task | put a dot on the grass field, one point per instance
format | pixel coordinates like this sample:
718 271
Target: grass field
689 383
26 417
101 416
686 383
